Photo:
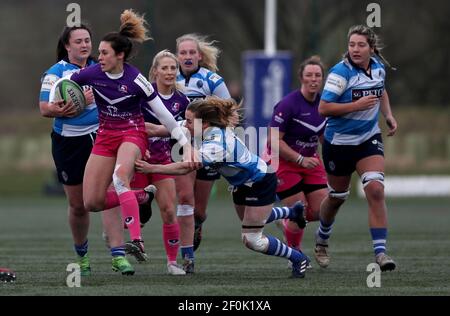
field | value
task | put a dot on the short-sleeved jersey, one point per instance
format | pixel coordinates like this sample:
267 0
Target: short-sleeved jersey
160 147
347 83
203 83
118 96
300 121
87 121
223 151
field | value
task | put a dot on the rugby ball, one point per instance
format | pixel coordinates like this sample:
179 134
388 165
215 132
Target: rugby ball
66 89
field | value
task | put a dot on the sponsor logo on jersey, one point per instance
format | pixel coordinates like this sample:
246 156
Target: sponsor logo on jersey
359 93
214 78
335 84
48 82
175 107
99 84
123 88
144 85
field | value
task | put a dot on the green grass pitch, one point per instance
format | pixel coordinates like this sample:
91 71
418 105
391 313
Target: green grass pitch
35 242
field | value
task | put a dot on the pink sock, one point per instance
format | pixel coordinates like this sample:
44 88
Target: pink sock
171 239
130 214
113 200
293 238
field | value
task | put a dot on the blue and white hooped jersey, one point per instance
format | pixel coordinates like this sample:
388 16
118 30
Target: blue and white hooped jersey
86 122
347 83
223 151
201 84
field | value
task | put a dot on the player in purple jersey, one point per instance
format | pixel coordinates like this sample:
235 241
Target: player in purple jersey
301 173
163 75
118 89
72 141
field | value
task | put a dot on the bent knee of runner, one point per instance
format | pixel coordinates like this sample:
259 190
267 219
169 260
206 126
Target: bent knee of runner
78 210
76 206
373 183
338 195
120 180
168 215
185 196
93 205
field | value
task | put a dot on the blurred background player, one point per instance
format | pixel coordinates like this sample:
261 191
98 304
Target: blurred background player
254 184
353 95
198 79
7 275
119 89
301 174
72 141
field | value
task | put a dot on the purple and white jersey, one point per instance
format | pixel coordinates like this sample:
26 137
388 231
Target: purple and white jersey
118 96
176 104
300 121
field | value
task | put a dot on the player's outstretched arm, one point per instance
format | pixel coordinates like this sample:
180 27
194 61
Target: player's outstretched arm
154 130
176 168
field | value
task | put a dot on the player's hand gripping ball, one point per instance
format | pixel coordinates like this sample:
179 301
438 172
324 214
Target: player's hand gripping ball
66 90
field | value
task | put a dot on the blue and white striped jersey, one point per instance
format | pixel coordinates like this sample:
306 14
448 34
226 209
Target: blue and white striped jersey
87 121
347 83
201 84
223 151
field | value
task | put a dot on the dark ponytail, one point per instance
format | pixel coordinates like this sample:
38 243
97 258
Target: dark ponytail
132 28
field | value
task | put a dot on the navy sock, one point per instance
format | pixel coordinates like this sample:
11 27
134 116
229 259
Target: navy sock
324 231
187 252
82 250
118 251
279 249
379 236
281 212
